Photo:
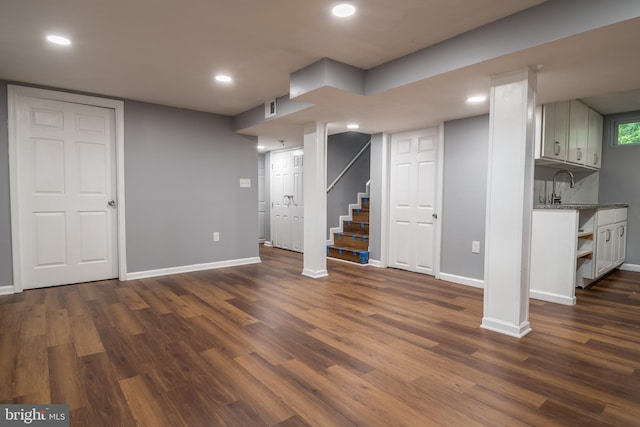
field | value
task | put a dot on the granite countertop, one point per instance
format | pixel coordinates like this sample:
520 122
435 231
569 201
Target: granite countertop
583 206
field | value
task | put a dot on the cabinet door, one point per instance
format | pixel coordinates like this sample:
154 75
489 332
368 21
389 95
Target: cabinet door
578 125
620 242
594 140
604 249
555 119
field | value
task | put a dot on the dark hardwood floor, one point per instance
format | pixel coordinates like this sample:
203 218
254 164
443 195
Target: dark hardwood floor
261 345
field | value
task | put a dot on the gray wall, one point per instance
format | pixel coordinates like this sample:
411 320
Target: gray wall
182 171
375 193
182 184
466 144
619 182
341 148
6 270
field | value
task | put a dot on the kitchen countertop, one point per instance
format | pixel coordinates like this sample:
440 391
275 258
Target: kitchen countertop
583 206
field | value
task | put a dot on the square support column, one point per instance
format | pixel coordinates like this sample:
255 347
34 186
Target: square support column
315 200
509 203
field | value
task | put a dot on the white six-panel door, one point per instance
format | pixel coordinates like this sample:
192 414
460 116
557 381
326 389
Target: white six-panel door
287 200
413 196
66 179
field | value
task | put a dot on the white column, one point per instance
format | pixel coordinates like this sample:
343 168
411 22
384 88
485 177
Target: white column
509 203
315 200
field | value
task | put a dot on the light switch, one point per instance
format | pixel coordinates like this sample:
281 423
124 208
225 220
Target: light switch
245 182
475 247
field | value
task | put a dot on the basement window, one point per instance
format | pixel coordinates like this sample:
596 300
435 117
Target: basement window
625 129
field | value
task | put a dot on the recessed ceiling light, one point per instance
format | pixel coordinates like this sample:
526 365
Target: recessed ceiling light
58 40
223 78
260 147
476 99
353 126
343 10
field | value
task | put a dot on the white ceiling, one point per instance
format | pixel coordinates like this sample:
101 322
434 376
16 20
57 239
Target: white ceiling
167 51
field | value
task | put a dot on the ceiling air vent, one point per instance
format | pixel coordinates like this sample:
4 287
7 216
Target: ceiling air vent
270 108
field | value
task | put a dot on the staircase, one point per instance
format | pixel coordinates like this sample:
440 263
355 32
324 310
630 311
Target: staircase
351 241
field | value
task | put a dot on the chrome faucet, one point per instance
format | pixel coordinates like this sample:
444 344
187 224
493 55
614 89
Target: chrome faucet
555 197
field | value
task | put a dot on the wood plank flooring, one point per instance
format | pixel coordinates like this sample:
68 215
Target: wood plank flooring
261 345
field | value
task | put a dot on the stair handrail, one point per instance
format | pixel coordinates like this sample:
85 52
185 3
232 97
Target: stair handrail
346 168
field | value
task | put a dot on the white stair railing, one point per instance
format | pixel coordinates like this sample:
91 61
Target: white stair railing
346 168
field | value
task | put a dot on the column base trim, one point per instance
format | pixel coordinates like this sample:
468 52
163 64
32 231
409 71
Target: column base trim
314 274
496 325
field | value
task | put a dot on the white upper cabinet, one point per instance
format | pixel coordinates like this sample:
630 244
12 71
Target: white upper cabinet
555 130
594 140
571 135
578 129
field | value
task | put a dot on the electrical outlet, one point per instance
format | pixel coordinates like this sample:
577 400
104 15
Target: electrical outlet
475 247
216 236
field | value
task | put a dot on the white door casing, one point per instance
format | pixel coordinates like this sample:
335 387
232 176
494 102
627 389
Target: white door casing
65 156
287 200
261 203
413 196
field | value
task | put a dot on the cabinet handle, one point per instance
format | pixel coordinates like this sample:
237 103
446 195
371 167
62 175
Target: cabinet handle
621 231
579 156
608 236
556 148
595 158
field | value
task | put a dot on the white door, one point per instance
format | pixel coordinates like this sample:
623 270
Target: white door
65 161
287 200
413 191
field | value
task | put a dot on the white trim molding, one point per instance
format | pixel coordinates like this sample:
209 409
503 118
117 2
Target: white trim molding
547 296
13 92
461 280
506 328
7 290
630 267
314 274
192 268
376 263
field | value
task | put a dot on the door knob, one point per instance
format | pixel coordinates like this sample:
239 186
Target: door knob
434 215
111 203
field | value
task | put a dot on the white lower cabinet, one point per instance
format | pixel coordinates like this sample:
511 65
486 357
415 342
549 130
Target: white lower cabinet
604 250
611 246
572 248
620 242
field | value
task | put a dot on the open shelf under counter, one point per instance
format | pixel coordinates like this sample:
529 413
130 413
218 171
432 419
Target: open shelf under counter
584 254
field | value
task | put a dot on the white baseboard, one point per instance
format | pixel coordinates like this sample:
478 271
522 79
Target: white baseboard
314 274
630 267
503 327
268 244
191 268
356 264
376 263
461 280
7 290
546 296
